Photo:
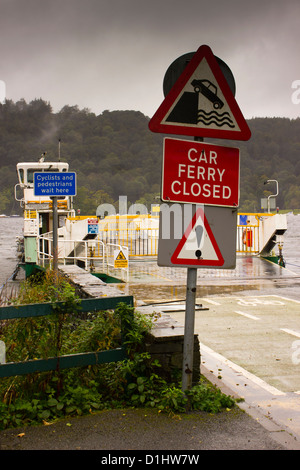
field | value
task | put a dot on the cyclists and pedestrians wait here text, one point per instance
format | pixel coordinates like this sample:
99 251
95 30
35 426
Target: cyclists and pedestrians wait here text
55 184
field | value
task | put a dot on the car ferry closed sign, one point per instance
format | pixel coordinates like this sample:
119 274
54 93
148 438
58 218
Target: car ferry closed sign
200 173
54 184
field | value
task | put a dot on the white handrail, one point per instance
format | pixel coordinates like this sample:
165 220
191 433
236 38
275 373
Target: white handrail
45 252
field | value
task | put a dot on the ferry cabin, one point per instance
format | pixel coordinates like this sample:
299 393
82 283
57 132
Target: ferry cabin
38 213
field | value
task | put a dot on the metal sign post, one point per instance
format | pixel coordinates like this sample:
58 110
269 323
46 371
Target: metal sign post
55 237
189 327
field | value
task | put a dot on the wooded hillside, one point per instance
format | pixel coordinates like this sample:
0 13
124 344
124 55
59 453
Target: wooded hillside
115 154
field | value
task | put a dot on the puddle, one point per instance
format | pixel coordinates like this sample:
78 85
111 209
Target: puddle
155 293
150 283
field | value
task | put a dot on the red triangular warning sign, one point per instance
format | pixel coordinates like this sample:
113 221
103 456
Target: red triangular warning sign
201 103
198 245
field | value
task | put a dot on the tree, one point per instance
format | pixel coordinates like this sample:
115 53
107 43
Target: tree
116 153
292 197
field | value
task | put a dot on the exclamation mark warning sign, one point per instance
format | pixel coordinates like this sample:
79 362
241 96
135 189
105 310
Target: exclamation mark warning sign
198 245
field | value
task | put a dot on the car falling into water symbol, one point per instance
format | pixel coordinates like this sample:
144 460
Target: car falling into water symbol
209 90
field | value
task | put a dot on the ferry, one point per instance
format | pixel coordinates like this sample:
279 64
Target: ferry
105 244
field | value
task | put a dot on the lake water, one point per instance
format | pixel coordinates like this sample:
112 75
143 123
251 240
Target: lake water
291 246
12 227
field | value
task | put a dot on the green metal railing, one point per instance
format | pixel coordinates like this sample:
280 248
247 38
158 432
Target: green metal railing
66 361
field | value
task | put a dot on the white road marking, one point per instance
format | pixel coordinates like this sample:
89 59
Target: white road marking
244 372
291 332
247 315
213 302
286 298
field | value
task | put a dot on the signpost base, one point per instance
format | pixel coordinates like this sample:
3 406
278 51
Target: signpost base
189 326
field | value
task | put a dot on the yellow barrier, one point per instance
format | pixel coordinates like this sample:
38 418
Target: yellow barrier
140 232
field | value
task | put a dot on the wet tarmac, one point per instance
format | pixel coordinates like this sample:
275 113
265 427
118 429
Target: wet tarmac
147 281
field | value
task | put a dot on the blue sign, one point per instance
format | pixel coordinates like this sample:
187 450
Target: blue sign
93 226
54 184
243 219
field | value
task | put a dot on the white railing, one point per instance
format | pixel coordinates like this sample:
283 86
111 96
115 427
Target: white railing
92 253
140 242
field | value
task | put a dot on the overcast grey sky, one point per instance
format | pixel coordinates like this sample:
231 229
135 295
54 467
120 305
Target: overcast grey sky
113 54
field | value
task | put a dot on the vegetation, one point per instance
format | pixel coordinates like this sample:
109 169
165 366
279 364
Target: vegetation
115 154
135 382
